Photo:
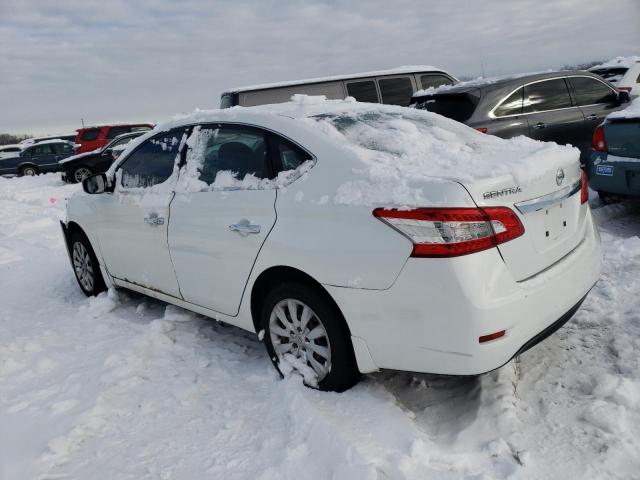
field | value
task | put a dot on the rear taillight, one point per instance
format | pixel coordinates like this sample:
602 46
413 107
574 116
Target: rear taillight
598 141
625 89
482 129
584 188
451 232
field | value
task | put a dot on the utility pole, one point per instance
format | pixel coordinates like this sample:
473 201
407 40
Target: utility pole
82 120
482 67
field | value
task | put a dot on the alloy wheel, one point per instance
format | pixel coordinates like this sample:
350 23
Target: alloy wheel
82 266
296 330
81 173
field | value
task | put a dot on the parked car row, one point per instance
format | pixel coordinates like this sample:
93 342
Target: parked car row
91 150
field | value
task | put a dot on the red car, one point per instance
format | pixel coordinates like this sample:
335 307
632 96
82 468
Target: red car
92 138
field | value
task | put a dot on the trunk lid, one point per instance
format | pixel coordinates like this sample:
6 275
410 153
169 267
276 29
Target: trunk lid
549 207
623 137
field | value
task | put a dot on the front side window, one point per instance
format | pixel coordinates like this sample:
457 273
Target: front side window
122 141
115 131
396 91
511 106
41 150
228 153
364 91
546 95
89 135
152 162
434 80
589 91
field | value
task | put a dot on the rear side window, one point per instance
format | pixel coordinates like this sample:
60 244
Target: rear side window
115 131
287 156
546 95
458 107
396 91
62 148
89 135
512 105
589 91
364 91
428 81
122 141
237 151
153 161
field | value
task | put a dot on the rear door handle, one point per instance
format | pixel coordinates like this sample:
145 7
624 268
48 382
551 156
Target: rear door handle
539 126
592 117
244 227
154 219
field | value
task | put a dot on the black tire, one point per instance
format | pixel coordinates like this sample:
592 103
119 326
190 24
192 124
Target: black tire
78 245
77 173
29 171
343 371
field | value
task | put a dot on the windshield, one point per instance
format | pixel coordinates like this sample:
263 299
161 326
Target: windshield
613 75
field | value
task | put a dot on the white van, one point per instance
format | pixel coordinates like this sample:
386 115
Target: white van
394 87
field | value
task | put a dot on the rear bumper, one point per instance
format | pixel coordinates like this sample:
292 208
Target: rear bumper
431 319
611 174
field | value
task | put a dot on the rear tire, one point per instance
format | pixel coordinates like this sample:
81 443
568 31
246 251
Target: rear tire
28 171
85 265
301 325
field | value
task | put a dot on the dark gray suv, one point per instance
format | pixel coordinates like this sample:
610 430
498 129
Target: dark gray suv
564 107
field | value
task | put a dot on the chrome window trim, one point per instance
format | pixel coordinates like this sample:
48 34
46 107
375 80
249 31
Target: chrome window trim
545 201
491 113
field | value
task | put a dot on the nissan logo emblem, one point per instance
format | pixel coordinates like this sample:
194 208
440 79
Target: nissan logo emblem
560 177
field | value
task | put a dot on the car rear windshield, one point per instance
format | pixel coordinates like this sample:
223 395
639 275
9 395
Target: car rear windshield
457 106
613 75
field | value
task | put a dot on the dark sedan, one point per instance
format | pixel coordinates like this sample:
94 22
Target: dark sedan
77 168
42 157
563 107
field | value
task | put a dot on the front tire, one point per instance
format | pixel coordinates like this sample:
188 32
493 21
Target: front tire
86 266
80 173
304 330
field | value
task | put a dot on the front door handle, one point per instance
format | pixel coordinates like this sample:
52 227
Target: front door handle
592 117
154 219
244 227
539 126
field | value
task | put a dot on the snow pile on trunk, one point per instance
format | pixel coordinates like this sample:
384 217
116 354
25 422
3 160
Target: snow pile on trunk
401 152
632 111
617 62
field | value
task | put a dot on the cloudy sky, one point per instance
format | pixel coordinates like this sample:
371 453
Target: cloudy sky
64 60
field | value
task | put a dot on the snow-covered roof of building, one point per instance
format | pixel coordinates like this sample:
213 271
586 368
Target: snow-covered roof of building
618 62
376 73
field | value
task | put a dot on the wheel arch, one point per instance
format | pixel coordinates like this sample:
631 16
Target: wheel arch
276 275
28 164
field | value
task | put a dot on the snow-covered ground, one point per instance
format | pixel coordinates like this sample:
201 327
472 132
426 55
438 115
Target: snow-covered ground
122 386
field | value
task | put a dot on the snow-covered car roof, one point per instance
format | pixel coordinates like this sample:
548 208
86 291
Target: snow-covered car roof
483 81
632 111
14 145
115 124
392 151
53 140
376 73
618 62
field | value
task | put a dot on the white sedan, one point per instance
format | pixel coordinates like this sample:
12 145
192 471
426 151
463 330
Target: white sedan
351 237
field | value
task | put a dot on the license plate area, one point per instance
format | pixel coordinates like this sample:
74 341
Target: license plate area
556 222
604 170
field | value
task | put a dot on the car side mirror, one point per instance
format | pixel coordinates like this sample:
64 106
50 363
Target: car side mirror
623 96
96 184
107 152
